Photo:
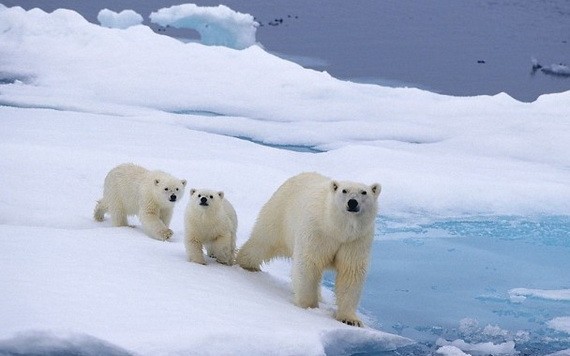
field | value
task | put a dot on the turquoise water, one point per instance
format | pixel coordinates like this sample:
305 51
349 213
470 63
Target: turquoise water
450 279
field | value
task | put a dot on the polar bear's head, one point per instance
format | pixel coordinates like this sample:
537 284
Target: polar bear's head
167 189
205 198
355 198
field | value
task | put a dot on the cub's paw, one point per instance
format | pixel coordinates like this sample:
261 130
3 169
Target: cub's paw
165 234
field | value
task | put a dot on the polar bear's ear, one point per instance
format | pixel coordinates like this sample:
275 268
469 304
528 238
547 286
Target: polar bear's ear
376 189
192 191
156 181
334 185
183 181
221 194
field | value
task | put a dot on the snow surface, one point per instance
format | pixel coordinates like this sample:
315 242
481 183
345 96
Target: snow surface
122 20
76 99
217 26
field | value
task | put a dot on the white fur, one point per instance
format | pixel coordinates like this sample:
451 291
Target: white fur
308 219
133 190
210 221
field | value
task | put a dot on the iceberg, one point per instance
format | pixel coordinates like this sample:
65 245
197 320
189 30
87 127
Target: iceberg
122 20
217 26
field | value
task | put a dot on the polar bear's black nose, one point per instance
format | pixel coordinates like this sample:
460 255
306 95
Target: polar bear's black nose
353 205
173 197
203 201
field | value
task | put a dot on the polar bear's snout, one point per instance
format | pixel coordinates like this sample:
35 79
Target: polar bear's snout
173 197
204 201
353 206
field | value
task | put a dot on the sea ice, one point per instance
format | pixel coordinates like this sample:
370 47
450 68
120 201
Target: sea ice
218 26
122 20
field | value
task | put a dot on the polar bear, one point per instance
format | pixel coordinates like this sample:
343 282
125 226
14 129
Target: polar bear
133 190
210 220
320 223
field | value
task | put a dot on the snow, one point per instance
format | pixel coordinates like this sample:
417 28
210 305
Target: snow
217 26
76 99
122 20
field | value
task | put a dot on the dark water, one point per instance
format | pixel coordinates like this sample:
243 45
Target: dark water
452 47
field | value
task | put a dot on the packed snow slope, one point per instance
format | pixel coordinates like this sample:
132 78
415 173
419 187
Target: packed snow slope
77 99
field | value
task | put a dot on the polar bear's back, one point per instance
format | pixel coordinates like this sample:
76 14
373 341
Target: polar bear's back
295 196
299 199
123 183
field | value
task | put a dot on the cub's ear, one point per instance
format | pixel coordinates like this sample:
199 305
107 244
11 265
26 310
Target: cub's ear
183 181
156 181
376 189
334 185
221 194
192 191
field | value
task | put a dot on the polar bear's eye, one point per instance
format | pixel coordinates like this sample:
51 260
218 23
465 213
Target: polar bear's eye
363 192
176 189
165 189
199 195
211 197
344 191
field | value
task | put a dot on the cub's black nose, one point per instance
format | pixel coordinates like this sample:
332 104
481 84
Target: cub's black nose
203 200
353 205
173 197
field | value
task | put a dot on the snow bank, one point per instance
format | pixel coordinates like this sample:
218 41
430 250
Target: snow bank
122 20
144 297
218 26
57 343
457 145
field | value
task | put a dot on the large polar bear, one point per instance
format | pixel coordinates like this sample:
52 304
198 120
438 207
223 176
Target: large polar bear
133 190
210 220
320 223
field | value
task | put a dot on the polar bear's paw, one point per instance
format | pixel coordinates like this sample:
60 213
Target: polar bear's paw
165 234
352 322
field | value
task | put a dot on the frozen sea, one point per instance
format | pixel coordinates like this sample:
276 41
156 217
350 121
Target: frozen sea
466 48
472 249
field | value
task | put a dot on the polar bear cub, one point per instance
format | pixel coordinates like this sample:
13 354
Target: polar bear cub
210 221
320 223
133 190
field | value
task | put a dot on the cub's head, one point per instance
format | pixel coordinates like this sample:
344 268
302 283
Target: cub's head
168 189
205 198
355 198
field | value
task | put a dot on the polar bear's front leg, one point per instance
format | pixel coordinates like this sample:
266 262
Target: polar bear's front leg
351 272
223 249
166 216
153 226
194 250
306 277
